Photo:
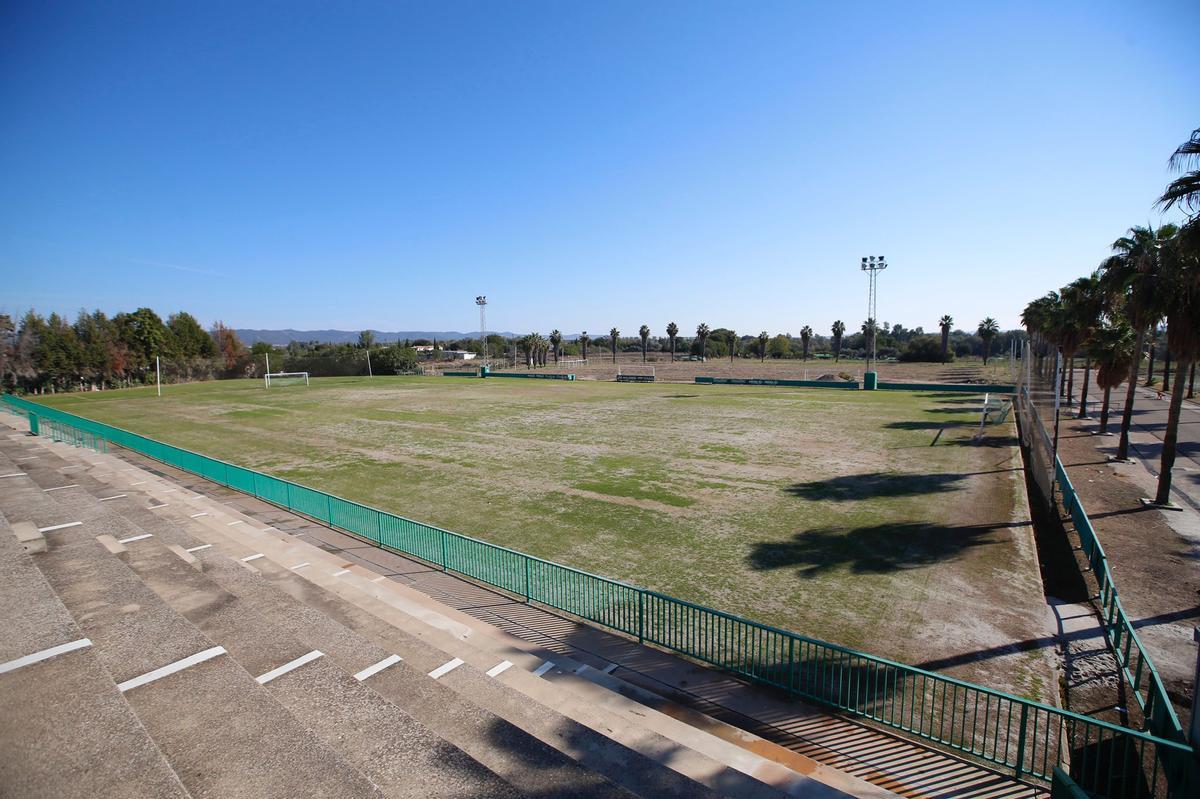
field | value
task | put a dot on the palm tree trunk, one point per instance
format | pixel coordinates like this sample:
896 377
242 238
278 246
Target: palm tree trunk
1192 381
643 351
672 350
1087 373
1170 438
1070 380
1130 392
1150 368
1104 411
1167 370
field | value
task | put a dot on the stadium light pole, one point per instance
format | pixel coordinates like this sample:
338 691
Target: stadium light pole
873 266
481 301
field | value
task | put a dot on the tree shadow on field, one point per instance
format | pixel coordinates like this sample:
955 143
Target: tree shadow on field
877 549
876 484
922 425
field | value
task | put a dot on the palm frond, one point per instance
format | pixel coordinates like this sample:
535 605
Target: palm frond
1184 191
1186 153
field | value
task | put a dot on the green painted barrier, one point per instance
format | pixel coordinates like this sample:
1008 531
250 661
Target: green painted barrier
461 374
1029 738
534 375
635 378
766 381
970 388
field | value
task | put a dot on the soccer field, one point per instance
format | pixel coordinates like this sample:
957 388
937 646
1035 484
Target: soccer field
829 512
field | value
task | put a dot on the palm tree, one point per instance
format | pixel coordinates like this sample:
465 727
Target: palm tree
805 336
1084 304
672 333
988 330
556 342
1181 275
1184 191
1111 348
1038 320
733 344
614 334
763 338
869 329
583 342
945 323
839 330
644 332
702 332
1131 278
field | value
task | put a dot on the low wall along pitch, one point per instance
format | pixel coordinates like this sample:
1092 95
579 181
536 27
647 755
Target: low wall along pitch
767 381
1010 732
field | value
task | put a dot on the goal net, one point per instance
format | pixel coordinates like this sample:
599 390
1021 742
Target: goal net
642 373
285 379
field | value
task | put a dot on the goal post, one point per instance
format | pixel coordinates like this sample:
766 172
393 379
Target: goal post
641 373
284 379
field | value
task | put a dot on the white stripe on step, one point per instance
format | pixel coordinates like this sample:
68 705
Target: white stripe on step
45 654
114 496
171 668
545 667
301 565
231 524
611 667
371 671
582 669
340 573
14 474
446 668
31 458
156 507
198 515
197 549
138 483
60 488
253 557
263 679
499 668
54 527
133 538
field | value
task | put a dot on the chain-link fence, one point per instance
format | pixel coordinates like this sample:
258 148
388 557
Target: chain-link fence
1038 400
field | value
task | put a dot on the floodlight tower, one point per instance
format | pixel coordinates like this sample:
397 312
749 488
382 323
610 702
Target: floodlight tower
481 301
873 266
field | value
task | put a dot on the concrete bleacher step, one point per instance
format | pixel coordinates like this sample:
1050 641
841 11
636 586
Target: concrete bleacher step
63 717
611 707
221 732
370 731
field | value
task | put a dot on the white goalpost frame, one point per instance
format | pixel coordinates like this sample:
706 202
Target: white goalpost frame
267 377
629 369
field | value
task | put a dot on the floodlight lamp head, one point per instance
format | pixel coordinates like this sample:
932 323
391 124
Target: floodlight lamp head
481 300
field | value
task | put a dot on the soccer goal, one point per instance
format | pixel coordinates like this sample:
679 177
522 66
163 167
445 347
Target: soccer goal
285 379
643 373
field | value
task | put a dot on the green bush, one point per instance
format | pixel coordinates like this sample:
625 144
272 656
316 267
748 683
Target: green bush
924 349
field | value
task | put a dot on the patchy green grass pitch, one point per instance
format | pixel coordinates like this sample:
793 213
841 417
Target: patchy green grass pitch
827 512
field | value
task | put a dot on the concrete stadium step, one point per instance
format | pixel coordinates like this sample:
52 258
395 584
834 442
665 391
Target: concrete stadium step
628 720
726 743
384 742
528 760
221 731
63 715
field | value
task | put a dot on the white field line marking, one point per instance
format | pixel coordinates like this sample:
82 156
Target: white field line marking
133 538
114 496
446 668
171 668
45 654
263 679
611 667
499 668
60 488
197 549
545 667
371 671
253 557
14 474
301 565
582 669
138 483
54 527
231 524
340 573
198 515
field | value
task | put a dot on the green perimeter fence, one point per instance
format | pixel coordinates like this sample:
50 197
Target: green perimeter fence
1025 737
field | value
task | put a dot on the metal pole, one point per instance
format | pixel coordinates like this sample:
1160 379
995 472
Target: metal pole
369 372
158 374
268 355
1195 726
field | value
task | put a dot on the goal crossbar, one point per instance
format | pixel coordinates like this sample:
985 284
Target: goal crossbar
284 378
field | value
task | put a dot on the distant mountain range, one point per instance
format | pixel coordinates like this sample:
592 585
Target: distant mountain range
281 338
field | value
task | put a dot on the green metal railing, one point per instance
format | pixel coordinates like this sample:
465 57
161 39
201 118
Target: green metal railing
1027 738
1140 674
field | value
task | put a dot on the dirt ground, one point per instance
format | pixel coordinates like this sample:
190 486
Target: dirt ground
969 370
1155 567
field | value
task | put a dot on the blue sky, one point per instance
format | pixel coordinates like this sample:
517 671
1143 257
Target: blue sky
585 165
